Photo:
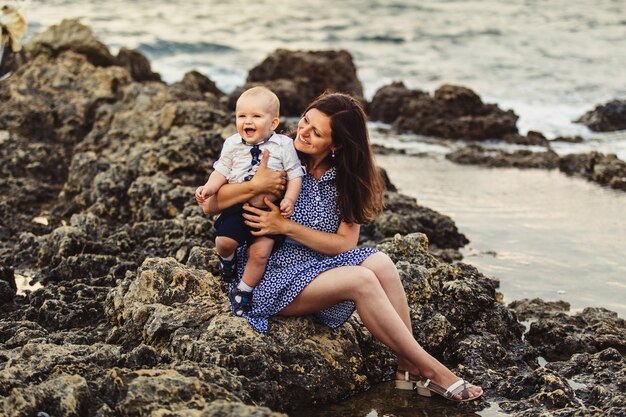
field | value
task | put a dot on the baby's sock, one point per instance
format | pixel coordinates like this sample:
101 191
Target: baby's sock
242 286
228 258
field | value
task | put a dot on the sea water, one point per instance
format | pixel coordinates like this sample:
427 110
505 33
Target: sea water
549 61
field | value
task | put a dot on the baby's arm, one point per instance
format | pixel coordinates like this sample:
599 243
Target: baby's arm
287 204
215 181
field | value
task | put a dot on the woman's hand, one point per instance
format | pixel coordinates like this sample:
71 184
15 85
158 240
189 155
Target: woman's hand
269 222
267 181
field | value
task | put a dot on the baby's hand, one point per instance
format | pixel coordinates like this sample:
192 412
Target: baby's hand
286 207
199 195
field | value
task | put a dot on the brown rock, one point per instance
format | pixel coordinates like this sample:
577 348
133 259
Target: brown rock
452 112
298 77
137 64
70 34
607 117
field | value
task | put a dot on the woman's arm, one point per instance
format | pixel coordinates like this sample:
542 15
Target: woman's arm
265 181
272 222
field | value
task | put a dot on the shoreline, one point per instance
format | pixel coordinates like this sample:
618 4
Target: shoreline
519 265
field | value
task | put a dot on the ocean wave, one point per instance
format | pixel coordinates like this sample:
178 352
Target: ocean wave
381 39
161 48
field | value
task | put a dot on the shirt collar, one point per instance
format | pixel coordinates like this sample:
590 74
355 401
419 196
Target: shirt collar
273 138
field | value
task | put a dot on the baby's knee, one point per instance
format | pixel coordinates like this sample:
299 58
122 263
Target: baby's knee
225 245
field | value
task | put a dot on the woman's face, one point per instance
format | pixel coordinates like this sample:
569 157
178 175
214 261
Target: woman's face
314 134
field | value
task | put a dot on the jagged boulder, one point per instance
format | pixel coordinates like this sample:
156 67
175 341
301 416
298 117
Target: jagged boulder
297 77
606 170
474 154
137 64
537 308
606 117
184 313
452 112
72 35
403 215
594 329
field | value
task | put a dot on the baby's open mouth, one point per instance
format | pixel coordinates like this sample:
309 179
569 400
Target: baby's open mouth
249 130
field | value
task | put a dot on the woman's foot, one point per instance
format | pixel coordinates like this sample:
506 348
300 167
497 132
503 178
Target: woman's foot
440 383
461 390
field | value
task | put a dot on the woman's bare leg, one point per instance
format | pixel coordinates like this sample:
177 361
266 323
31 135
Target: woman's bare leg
377 313
387 274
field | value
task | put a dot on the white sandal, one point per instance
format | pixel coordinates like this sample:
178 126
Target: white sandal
412 382
460 387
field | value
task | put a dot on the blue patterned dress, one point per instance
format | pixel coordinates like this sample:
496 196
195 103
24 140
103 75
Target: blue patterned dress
293 266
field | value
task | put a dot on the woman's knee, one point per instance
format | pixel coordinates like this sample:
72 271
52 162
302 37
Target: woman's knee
383 267
367 283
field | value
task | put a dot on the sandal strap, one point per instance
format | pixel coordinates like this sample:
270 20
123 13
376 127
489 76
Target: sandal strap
409 376
452 388
452 391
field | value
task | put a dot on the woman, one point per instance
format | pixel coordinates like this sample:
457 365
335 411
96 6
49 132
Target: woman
319 270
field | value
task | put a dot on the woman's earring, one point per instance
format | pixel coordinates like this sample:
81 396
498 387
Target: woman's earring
333 154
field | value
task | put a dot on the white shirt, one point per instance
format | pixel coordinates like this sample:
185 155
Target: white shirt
235 161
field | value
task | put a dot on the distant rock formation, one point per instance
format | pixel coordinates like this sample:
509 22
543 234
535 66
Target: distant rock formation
606 170
298 77
452 112
606 117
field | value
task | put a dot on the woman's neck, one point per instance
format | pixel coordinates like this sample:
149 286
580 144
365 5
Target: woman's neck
317 168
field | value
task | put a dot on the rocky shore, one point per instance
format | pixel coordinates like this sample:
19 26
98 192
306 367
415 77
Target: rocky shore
99 161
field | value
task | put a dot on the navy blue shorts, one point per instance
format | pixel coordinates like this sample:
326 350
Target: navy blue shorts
231 224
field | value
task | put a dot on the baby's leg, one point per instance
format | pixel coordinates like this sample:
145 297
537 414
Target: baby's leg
225 246
241 296
258 255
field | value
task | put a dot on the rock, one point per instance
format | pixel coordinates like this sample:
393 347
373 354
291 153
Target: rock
8 288
599 378
478 155
70 34
607 117
541 386
202 83
66 395
298 77
531 139
607 170
452 112
184 312
402 214
569 139
66 88
137 64
594 329
389 101
537 308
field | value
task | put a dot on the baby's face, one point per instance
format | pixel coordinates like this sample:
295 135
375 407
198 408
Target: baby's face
254 119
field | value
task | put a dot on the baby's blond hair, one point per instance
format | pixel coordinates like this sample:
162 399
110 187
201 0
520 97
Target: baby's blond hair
272 102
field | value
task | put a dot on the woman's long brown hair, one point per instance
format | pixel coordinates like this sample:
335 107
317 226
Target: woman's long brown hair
359 184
